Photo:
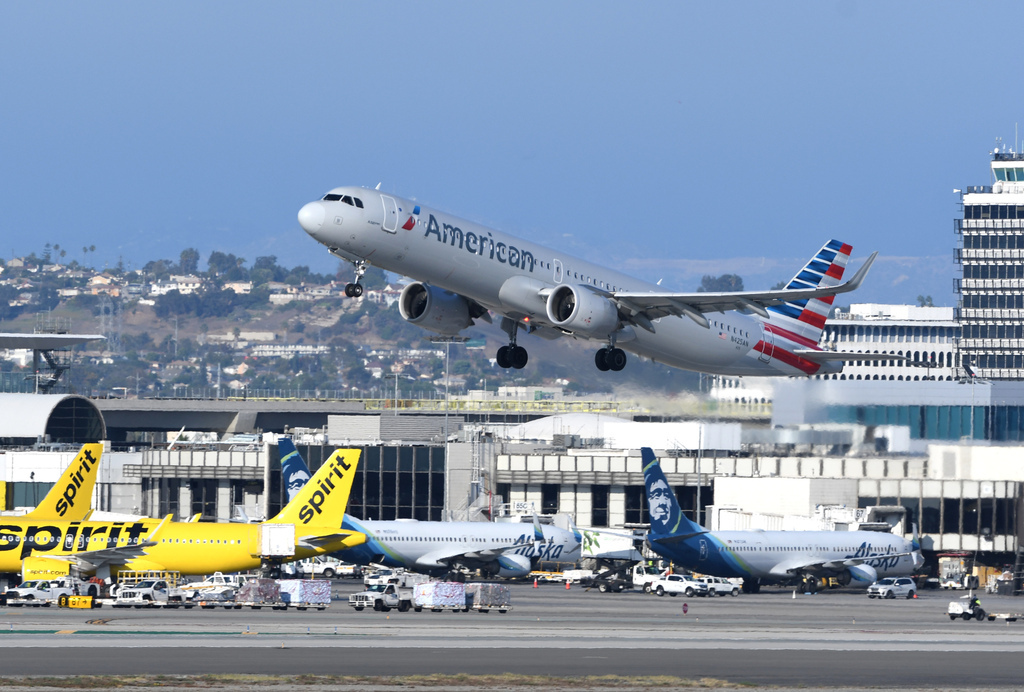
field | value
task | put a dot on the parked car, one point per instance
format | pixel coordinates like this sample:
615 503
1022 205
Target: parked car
674 584
717 586
891 587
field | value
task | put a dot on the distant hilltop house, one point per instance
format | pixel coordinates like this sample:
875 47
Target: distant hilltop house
182 284
388 295
103 284
239 287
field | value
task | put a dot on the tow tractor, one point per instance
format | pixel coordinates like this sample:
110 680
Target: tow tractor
966 608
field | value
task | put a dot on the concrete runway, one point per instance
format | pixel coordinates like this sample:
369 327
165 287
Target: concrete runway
828 640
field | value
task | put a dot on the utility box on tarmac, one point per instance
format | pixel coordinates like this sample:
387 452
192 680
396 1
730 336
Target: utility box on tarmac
277 540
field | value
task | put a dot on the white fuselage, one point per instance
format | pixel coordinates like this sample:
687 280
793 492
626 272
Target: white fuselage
505 274
431 545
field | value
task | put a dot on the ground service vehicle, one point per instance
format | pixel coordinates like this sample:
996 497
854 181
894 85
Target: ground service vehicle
485 597
151 592
675 584
42 589
892 587
384 597
967 608
644 576
719 586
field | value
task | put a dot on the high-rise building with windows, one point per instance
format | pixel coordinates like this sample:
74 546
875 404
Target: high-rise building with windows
990 252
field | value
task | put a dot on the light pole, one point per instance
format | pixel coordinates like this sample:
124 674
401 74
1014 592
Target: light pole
447 341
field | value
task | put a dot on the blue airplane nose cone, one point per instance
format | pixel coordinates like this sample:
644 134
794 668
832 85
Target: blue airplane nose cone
311 217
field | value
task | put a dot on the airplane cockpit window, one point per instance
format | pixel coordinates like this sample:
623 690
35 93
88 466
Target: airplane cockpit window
347 199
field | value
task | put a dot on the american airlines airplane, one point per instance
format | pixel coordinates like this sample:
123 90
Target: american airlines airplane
771 556
499 549
463 271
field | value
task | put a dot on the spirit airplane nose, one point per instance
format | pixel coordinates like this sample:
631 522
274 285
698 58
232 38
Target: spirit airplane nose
311 217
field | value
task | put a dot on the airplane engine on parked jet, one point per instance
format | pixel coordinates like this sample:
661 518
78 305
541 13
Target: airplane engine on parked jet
580 311
863 574
512 566
434 309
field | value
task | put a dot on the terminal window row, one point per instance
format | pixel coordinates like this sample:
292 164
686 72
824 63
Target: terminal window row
988 241
993 211
963 515
993 331
974 270
888 333
1000 301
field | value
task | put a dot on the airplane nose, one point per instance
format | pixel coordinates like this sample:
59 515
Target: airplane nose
311 217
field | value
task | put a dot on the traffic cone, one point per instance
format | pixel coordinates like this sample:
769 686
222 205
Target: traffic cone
535 583
567 582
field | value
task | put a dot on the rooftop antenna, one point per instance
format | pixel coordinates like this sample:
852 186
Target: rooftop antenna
378 187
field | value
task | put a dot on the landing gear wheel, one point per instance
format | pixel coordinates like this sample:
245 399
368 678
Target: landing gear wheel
503 359
616 359
613 359
353 290
518 357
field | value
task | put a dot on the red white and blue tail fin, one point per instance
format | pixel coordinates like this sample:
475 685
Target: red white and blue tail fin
807 317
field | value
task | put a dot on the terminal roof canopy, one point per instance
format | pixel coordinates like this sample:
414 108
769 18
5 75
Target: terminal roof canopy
45 342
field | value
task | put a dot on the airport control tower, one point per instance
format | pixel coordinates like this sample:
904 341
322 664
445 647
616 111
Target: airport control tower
991 289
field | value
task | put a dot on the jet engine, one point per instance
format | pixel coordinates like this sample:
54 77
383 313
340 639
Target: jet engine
434 309
578 310
865 574
512 566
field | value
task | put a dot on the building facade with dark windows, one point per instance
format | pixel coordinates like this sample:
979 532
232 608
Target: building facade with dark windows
990 252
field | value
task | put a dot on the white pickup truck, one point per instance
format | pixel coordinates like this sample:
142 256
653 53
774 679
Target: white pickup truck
42 590
384 597
151 592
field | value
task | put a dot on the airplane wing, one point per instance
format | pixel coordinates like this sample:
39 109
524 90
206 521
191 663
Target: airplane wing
92 560
446 557
641 308
808 566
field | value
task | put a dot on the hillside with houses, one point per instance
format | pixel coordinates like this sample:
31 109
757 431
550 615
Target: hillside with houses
182 329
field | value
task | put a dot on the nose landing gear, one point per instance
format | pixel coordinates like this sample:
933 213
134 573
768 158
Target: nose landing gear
355 290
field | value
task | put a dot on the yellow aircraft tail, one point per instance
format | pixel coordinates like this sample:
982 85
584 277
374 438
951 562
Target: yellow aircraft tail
323 500
70 499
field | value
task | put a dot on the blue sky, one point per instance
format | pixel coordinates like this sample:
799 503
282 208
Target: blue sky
674 139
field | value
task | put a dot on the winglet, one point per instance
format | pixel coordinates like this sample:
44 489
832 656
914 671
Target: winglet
70 498
858 278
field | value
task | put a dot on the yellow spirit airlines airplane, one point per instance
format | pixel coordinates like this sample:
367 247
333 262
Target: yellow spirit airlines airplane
70 498
310 524
463 271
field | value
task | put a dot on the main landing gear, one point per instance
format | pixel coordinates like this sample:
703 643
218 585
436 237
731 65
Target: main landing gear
610 358
355 290
513 355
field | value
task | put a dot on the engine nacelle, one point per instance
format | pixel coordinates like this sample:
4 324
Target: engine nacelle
863 574
512 566
434 309
578 310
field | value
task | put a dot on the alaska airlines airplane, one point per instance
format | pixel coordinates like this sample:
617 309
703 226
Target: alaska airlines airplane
43 547
771 556
464 271
499 549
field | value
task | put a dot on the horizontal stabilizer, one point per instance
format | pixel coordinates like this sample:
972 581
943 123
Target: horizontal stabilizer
343 539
